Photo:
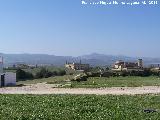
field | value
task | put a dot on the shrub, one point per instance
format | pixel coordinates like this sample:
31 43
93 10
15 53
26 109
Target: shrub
43 73
61 72
22 75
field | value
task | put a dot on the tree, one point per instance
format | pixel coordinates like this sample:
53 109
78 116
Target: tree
22 75
61 72
44 73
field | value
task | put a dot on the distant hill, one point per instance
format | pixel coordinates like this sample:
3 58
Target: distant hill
93 59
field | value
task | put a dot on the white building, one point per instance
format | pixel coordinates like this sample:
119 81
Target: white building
8 78
1 64
126 66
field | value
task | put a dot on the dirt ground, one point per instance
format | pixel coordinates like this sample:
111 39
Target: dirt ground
43 88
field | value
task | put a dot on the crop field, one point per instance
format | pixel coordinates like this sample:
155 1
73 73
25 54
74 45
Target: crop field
79 107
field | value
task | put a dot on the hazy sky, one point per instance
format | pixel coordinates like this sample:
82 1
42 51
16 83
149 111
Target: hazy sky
65 27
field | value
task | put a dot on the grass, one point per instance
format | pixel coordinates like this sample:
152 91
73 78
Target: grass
78 107
97 82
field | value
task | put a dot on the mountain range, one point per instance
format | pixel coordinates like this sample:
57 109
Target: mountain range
93 59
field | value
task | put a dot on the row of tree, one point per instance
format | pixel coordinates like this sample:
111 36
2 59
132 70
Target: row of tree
109 73
43 73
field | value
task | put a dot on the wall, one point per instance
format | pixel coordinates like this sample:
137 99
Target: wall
1 64
0 79
10 79
1 67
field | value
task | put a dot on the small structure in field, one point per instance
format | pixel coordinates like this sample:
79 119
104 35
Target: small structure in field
6 78
80 77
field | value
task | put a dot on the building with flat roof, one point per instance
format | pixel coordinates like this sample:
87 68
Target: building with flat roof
6 78
1 64
122 65
77 66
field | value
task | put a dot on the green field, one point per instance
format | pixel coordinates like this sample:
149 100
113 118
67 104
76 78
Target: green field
97 82
79 107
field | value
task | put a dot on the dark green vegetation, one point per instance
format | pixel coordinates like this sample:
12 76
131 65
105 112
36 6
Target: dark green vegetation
37 73
48 68
45 73
79 107
106 72
22 75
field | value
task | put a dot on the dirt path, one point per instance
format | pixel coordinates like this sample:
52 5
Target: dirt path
43 88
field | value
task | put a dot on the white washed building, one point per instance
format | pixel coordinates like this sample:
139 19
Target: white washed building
8 78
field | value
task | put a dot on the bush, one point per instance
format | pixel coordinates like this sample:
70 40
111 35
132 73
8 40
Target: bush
44 73
107 74
61 72
147 72
22 75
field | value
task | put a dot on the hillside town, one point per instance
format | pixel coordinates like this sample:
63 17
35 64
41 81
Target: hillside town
119 67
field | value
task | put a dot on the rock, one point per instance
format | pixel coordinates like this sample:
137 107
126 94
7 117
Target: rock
149 111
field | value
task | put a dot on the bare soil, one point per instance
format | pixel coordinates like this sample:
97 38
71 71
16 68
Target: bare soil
43 88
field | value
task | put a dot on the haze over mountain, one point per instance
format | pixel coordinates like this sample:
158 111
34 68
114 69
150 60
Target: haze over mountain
93 59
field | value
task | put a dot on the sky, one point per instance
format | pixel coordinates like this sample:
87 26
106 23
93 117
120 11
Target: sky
68 28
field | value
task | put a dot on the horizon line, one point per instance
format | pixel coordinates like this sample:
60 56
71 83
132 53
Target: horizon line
79 55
